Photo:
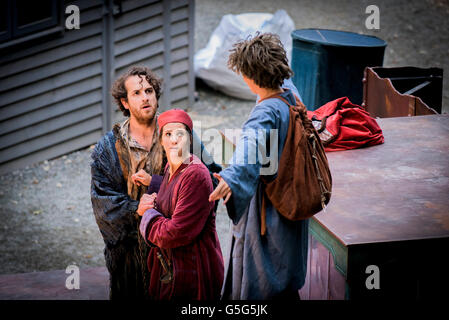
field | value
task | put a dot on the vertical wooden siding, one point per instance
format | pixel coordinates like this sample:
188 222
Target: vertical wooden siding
55 96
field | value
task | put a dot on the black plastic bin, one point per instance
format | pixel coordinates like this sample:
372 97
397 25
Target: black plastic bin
329 64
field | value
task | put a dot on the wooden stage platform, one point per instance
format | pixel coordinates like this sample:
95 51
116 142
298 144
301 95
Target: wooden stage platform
51 285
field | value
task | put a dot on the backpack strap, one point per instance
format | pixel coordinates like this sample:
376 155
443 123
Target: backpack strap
263 213
300 111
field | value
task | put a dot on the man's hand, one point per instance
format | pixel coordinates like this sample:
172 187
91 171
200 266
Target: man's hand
221 191
146 203
141 178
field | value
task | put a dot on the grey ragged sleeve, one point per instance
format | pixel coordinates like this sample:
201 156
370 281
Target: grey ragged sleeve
113 209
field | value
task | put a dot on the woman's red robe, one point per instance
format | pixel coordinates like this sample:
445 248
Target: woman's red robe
182 229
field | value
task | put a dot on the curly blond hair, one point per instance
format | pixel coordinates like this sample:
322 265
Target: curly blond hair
262 59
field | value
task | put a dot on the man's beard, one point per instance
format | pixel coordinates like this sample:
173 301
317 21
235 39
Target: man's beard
147 118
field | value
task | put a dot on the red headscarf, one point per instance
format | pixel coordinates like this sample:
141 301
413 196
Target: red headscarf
174 115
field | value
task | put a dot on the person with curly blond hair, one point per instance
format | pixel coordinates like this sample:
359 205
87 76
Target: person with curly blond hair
271 264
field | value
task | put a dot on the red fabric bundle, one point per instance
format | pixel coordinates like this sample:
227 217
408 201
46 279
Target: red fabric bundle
343 125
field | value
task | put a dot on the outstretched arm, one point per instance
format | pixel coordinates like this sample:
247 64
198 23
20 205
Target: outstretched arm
221 191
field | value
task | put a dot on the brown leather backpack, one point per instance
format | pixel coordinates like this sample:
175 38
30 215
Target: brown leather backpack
303 184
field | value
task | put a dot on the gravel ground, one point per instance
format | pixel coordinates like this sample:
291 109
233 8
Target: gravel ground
416 32
45 208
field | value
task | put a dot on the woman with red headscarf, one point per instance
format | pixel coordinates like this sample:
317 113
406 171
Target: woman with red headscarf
185 259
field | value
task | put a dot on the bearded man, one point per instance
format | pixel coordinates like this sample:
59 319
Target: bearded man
128 148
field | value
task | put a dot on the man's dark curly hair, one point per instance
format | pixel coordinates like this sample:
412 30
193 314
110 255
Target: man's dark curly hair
118 90
262 59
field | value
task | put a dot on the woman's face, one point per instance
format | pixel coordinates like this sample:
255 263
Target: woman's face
175 140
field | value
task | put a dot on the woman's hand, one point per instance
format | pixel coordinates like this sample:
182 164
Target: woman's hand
221 191
141 178
146 203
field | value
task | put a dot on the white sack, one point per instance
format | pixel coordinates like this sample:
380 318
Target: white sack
210 63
